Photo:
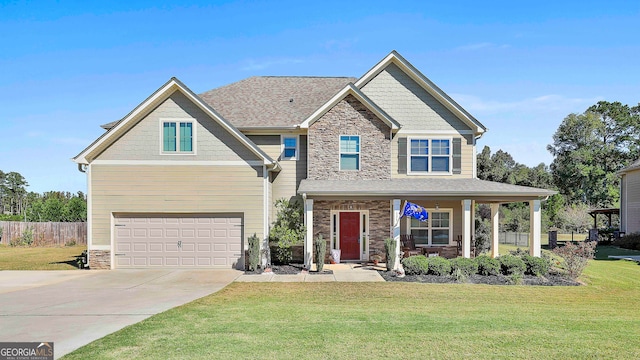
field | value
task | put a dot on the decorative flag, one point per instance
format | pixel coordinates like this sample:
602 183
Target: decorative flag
416 211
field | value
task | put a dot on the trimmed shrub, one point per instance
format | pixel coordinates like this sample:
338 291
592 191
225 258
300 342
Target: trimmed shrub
487 265
439 266
390 253
466 266
510 264
629 241
254 252
535 265
576 257
416 265
319 250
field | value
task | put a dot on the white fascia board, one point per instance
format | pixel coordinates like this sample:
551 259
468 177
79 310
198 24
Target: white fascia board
426 84
350 89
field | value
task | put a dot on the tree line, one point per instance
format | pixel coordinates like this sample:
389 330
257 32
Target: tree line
589 149
18 204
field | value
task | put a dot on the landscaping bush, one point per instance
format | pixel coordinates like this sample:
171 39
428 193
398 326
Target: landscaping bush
487 265
511 264
415 265
439 266
390 253
576 256
288 229
319 250
629 241
536 265
466 266
254 252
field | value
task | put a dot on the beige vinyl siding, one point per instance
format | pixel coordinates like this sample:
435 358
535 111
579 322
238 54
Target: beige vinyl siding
632 201
143 140
175 189
408 103
467 154
284 184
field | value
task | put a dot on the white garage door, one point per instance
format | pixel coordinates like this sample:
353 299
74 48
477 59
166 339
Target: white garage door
180 241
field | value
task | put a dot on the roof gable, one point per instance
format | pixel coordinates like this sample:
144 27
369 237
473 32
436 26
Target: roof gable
426 84
144 108
350 89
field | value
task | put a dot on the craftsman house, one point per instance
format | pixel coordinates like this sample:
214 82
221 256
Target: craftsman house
184 179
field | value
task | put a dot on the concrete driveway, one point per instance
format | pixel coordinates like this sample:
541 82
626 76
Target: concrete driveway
73 308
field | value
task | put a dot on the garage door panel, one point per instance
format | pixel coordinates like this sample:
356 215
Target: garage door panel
178 241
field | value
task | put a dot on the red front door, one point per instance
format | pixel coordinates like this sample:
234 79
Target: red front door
350 235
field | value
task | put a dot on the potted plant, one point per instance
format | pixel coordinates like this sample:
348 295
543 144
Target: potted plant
376 256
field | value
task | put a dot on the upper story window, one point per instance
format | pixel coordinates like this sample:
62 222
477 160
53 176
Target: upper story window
289 148
430 156
349 152
177 136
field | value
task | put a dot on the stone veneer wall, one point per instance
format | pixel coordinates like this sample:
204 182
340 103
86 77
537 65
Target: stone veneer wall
379 219
99 259
349 117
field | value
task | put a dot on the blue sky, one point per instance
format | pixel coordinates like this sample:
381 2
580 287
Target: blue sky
519 67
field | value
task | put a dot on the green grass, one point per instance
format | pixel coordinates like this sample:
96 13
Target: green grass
395 320
39 258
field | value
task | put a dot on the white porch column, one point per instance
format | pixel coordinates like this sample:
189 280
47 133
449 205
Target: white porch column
308 240
396 229
495 228
534 233
466 228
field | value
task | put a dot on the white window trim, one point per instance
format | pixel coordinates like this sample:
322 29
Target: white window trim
297 137
430 228
430 156
359 152
194 142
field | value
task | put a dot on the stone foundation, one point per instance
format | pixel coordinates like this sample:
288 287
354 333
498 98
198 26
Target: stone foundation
100 259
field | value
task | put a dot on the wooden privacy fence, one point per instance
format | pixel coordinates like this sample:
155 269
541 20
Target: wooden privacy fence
44 233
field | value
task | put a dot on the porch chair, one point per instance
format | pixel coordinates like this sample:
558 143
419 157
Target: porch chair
472 251
409 245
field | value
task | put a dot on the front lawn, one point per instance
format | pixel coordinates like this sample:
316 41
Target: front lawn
40 258
395 320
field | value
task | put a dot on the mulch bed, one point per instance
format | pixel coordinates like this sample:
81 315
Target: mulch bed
549 280
291 269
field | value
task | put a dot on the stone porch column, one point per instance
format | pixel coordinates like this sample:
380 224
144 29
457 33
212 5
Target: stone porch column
534 233
396 229
308 240
466 228
495 228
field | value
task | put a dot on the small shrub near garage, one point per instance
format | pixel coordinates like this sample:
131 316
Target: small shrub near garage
439 266
466 267
415 265
254 252
512 265
629 241
487 265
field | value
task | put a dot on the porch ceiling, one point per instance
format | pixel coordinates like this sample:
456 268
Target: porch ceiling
435 188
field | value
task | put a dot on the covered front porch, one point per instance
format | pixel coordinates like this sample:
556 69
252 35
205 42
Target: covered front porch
356 216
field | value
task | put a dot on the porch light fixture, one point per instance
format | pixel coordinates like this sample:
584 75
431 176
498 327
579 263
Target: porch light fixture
437 206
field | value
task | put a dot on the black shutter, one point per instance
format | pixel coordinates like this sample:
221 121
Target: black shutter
457 156
402 155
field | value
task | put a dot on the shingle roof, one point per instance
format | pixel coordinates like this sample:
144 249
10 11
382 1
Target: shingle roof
420 187
273 101
634 166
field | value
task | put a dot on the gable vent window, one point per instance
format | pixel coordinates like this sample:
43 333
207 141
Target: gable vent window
177 137
349 152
